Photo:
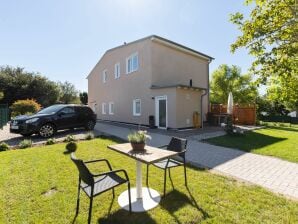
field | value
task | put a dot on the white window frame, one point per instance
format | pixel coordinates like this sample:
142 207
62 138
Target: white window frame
111 112
129 61
135 108
104 75
104 108
117 70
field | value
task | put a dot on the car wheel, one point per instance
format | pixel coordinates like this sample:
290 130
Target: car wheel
47 130
90 125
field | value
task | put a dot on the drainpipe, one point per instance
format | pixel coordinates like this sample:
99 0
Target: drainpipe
202 120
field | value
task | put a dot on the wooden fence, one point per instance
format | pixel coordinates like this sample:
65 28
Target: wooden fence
3 115
242 114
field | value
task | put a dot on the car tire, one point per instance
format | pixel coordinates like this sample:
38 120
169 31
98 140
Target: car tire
89 125
47 130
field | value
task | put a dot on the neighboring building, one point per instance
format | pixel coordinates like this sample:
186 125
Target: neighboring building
150 76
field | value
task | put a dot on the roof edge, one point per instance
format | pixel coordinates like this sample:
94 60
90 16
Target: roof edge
180 47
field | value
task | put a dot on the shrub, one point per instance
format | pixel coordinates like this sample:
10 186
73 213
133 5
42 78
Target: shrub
70 138
3 146
89 136
71 146
22 107
26 143
51 141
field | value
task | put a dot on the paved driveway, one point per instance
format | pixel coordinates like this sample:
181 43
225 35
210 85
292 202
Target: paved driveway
14 139
272 173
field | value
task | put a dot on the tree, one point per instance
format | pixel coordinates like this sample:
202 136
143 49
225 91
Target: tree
266 106
68 93
284 90
84 98
229 79
271 36
18 84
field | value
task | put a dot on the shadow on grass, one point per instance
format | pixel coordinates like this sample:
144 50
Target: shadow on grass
122 216
175 200
248 142
109 211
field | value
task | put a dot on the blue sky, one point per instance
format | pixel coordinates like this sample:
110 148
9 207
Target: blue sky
64 39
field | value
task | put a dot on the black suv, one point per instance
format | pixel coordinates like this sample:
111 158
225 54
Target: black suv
57 117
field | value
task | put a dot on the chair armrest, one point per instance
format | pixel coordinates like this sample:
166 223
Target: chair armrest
113 171
100 160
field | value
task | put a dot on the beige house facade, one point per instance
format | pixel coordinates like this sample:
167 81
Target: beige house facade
151 77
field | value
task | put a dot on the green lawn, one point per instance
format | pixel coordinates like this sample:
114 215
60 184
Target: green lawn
26 175
281 142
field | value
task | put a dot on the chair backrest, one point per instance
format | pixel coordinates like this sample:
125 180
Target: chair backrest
84 172
177 145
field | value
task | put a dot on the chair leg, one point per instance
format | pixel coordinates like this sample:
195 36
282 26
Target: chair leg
147 175
78 198
129 196
90 210
185 178
165 183
113 193
171 178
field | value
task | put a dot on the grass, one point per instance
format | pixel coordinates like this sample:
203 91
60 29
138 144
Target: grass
278 141
39 185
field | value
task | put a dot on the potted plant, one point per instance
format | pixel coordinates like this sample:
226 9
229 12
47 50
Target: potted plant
138 140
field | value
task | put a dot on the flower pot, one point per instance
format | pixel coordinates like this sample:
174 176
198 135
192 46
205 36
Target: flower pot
138 146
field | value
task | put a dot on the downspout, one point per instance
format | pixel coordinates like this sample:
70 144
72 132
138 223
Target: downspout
202 120
206 92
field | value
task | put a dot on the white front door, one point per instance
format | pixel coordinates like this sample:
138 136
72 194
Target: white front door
161 112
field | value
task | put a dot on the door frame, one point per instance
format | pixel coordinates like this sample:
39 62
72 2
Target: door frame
157 99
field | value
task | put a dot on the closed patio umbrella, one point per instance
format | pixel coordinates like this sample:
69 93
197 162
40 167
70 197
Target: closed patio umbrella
230 104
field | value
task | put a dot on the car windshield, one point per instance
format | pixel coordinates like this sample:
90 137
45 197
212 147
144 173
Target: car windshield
51 110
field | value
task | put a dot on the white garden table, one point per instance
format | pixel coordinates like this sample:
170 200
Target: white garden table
142 198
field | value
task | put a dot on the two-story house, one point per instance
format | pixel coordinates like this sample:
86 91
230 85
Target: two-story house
151 76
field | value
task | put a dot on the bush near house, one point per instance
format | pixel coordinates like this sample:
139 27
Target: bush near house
3 146
20 107
70 138
26 143
51 141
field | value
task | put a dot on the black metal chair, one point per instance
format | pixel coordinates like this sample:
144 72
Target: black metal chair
177 145
95 184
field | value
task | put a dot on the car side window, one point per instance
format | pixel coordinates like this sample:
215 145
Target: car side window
68 110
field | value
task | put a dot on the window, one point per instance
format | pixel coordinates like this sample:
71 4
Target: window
117 71
111 108
132 63
104 76
67 110
137 107
103 108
